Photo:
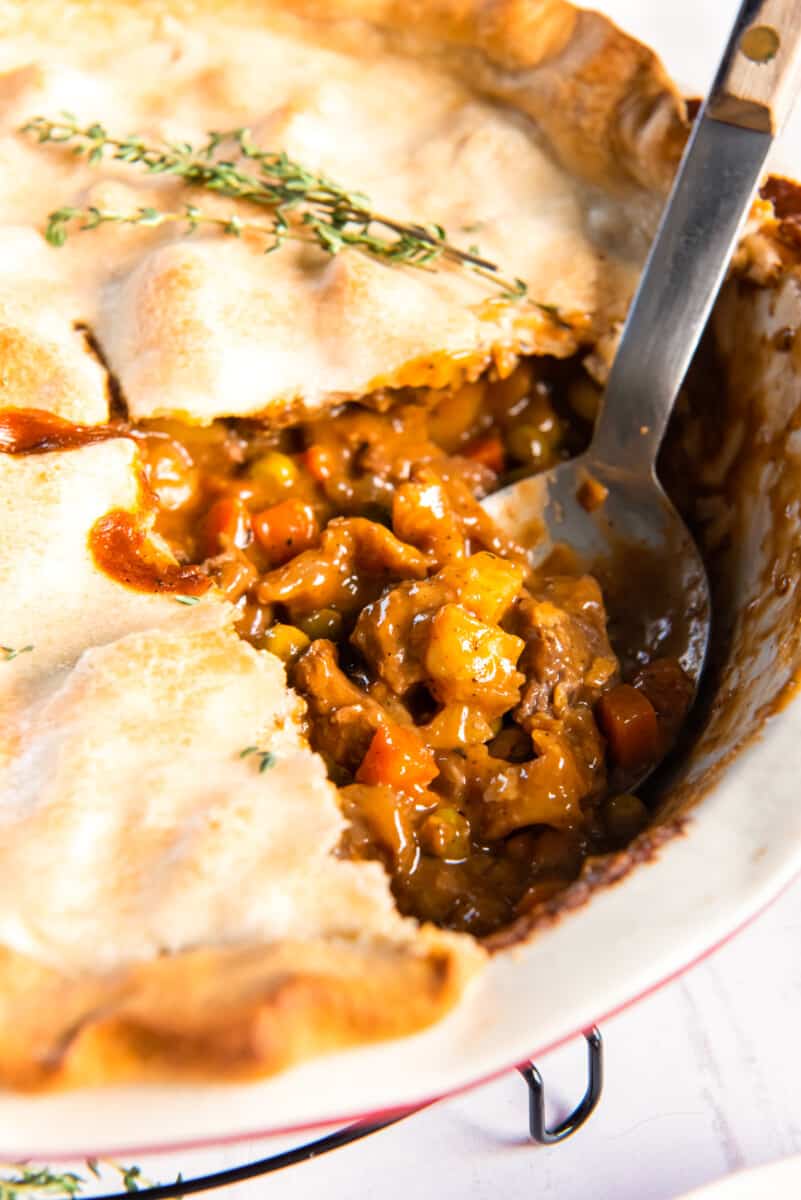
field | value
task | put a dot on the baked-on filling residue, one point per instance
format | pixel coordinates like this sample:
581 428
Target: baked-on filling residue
471 711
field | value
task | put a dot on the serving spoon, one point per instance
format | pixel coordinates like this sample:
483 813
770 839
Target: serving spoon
608 506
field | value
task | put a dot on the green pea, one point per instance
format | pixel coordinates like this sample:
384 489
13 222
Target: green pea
533 445
324 623
286 642
275 472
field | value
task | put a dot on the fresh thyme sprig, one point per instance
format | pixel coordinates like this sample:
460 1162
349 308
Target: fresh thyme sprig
9 653
266 757
60 219
24 1182
39 1181
303 204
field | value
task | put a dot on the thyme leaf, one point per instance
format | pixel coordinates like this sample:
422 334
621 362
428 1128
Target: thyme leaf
266 759
188 600
9 653
300 204
132 1177
22 1180
39 1181
90 218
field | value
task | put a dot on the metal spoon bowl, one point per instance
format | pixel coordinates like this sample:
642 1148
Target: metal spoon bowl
608 506
651 573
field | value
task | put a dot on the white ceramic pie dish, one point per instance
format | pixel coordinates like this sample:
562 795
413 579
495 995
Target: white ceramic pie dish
742 846
736 858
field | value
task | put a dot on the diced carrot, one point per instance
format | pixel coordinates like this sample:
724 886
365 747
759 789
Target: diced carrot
397 758
317 462
489 451
286 529
628 721
227 524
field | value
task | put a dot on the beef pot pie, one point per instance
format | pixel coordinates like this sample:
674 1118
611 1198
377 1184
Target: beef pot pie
289 728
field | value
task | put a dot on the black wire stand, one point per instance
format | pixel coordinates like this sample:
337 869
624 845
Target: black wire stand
538 1131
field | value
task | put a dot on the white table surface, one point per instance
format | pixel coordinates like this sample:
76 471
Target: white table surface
703 1078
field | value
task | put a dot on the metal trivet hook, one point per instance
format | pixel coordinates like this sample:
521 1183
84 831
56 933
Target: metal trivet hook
575 1120
353 1133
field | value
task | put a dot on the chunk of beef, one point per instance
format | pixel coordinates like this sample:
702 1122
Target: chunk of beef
355 560
568 658
392 633
343 717
549 789
445 630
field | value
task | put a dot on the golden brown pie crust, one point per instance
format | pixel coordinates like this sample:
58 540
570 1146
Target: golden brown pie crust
224 1013
605 107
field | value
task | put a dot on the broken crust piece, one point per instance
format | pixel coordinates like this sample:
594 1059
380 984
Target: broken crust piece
209 929
206 326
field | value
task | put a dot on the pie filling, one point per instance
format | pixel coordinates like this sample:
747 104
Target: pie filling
470 710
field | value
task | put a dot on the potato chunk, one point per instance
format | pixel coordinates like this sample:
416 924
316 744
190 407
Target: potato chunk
486 584
470 661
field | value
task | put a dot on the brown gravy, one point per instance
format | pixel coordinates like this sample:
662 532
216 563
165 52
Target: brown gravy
34 431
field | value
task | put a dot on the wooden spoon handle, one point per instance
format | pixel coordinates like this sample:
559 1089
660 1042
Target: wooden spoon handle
761 71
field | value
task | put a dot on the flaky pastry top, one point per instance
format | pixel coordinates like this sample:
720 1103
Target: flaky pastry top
540 134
